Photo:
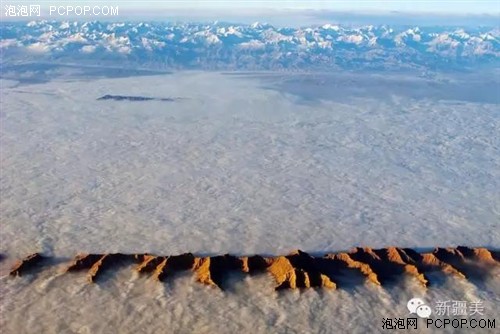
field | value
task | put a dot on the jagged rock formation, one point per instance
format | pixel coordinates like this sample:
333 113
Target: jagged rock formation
298 269
97 263
134 98
388 263
343 261
211 270
26 264
158 264
254 264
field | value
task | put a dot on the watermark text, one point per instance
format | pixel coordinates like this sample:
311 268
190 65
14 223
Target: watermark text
52 10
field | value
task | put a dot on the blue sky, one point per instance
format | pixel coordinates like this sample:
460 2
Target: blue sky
290 13
439 6
464 7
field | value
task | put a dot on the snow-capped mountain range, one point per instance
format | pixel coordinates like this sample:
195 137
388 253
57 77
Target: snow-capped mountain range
251 47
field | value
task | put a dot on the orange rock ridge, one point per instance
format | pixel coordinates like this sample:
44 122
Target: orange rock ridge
295 270
26 264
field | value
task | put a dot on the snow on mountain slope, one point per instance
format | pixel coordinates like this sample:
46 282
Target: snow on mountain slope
257 46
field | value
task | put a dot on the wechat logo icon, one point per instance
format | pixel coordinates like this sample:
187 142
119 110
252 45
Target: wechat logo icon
418 306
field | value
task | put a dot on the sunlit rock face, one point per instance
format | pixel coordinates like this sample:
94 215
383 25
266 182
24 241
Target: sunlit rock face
296 270
26 264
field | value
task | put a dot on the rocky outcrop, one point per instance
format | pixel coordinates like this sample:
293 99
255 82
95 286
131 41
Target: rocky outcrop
162 266
298 269
27 264
150 263
96 264
212 270
83 261
388 263
428 262
477 254
134 98
208 270
337 263
254 264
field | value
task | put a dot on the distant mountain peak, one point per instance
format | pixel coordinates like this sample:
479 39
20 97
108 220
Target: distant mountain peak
220 45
